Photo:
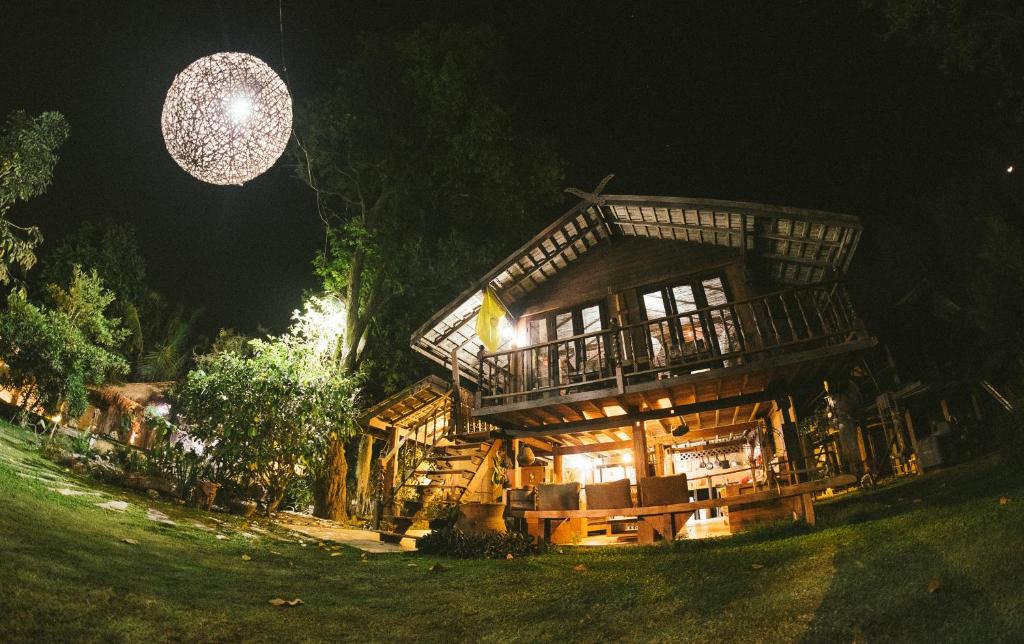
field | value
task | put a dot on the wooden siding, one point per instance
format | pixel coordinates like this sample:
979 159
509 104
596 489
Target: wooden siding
626 264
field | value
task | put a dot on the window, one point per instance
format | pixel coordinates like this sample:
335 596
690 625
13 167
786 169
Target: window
566 362
688 321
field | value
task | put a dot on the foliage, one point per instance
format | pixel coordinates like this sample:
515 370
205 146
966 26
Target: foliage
28 154
82 444
266 415
298 495
184 467
53 353
970 36
406 152
161 335
441 509
169 336
452 542
110 248
85 302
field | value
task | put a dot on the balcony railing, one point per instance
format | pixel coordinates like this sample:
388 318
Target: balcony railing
714 337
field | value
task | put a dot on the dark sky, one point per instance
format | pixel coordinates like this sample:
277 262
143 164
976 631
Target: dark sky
796 103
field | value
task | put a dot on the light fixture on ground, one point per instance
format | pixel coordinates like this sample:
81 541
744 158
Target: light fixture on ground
227 118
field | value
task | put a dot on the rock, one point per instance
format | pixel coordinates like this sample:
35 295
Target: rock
119 506
158 516
79 467
277 601
153 494
138 481
106 471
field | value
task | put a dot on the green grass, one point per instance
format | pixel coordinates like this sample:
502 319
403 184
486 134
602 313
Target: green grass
66 574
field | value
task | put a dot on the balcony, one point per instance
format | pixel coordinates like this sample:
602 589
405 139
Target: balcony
740 333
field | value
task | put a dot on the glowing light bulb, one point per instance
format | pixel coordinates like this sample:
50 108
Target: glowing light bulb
239 109
1009 169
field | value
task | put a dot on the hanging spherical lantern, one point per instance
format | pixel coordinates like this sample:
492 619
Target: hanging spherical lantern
227 118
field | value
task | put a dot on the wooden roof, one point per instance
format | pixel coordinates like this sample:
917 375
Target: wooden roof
794 245
407 407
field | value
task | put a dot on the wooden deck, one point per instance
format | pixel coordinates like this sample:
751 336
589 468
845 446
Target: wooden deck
723 400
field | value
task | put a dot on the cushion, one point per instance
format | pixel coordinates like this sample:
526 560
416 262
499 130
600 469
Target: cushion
614 494
558 496
664 490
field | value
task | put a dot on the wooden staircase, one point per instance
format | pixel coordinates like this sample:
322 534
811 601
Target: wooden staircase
441 474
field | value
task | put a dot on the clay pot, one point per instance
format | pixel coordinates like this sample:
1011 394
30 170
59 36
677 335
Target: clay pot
476 518
526 456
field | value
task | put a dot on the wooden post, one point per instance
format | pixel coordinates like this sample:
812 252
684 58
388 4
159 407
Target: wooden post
913 440
517 473
391 470
794 451
556 465
659 460
639 448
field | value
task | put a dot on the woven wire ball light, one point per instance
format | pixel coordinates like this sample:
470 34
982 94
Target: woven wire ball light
227 118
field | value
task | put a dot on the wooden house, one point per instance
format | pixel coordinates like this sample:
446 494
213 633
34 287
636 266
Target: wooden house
655 336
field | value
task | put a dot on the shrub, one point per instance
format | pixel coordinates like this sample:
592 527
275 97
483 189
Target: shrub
82 444
452 542
298 495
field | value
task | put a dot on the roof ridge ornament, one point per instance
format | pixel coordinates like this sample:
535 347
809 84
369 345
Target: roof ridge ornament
595 197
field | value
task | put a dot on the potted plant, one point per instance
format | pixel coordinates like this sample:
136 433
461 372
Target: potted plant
441 514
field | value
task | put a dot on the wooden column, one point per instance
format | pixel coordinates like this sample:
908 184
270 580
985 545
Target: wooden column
913 440
517 474
640 447
391 467
790 436
659 460
556 465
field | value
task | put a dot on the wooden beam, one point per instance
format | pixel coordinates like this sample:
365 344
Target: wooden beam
627 420
590 449
727 501
698 435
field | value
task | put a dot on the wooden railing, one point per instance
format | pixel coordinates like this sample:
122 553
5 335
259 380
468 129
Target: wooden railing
714 337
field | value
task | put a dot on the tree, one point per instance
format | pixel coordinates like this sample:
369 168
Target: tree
52 353
28 154
161 335
110 248
421 180
267 410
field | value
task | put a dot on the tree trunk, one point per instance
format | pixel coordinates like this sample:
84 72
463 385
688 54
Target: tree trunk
329 495
363 464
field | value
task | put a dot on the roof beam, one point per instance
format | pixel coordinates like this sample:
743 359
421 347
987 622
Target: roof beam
628 419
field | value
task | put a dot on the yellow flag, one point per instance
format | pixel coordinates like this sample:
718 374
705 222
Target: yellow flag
488 321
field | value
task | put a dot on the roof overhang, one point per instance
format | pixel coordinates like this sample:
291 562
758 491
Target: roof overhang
794 245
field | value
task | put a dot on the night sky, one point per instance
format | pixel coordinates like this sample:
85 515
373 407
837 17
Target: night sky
797 103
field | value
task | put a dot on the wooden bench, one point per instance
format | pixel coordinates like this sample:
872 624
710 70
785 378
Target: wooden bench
663 520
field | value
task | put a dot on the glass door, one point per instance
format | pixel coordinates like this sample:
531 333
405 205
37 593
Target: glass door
677 333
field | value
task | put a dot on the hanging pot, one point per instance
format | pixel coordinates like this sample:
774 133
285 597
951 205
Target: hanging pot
526 457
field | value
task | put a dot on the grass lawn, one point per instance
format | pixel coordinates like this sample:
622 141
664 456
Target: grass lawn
862 575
